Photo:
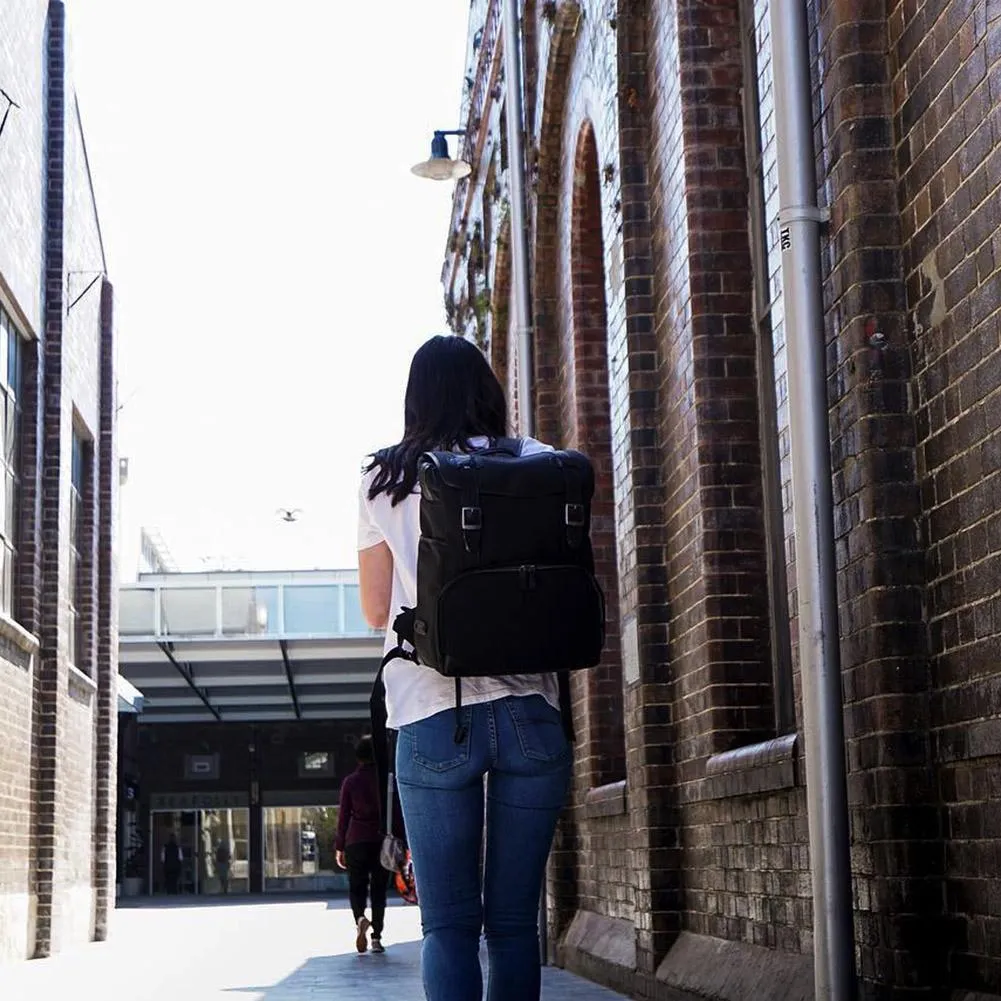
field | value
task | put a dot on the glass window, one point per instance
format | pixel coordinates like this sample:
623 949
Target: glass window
137 612
249 611
188 611
312 610
80 561
224 851
354 621
766 258
299 848
11 346
315 764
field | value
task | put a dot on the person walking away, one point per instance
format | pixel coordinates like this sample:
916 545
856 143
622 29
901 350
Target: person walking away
171 857
223 857
507 728
358 843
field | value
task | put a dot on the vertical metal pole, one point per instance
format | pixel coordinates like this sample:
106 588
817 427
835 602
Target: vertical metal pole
820 664
522 311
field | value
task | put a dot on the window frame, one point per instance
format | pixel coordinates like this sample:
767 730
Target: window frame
779 619
11 394
81 552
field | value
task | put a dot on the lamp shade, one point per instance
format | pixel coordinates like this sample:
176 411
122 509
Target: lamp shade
440 166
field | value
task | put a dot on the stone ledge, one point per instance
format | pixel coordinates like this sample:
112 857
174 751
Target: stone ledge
611 940
17 645
747 771
735 971
80 686
606 801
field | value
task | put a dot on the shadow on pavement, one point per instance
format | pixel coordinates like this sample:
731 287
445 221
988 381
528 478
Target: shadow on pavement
333 901
348 977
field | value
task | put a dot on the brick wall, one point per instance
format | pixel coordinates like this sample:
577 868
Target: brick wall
60 770
106 626
17 900
571 249
712 894
22 165
943 96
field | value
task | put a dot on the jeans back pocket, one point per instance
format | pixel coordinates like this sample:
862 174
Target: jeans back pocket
432 741
539 727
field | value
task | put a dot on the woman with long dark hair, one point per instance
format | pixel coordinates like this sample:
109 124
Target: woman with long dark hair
513 730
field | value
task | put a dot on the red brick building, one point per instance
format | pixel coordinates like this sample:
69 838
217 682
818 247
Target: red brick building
58 481
660 348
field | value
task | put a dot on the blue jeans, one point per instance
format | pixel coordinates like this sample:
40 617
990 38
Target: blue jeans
518 743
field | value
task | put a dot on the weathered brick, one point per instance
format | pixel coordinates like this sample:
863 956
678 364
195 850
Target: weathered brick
57 773
906 103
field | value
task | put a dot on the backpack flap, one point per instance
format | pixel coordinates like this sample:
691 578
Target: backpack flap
499 510
503 474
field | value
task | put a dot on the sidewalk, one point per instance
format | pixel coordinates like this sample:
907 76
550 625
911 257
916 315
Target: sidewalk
267 949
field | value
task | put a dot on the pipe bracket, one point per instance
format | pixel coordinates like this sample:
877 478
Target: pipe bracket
804 213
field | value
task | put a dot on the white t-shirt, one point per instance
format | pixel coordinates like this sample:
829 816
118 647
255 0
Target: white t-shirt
413 691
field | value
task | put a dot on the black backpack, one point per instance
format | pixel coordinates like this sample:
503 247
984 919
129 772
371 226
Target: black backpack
505 571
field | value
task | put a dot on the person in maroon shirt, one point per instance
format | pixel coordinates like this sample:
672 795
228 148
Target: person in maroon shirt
359 842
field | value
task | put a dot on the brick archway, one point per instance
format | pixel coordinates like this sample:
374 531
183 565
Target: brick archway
586 421
545 283
503 357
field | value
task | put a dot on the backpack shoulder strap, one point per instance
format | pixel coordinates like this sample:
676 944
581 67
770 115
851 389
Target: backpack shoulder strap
510 445
382 744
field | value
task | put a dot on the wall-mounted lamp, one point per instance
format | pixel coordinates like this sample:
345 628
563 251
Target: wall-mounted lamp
11 103
441 167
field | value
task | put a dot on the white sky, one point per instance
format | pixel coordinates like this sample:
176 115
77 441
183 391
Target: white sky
275 263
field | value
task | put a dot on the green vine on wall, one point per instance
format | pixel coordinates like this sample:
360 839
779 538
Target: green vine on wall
481 311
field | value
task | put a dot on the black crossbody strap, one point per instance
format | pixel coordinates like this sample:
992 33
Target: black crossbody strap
461 730
566 705
403 626
380 738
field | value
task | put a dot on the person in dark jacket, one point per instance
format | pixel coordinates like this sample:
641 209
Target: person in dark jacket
359 842
172 857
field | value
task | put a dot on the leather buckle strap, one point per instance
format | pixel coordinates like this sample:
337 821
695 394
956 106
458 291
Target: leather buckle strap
573 511
472 519
471 515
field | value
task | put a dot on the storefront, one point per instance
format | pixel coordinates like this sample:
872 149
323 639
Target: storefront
233 808
204 850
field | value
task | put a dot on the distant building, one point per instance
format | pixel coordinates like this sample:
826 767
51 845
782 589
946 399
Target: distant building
154 557
255 688
58 484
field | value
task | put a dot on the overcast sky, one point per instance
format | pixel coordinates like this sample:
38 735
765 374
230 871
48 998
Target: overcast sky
274 261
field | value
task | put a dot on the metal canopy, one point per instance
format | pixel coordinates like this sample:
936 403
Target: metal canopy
181 685
296 658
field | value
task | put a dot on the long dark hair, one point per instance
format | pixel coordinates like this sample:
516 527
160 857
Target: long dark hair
452 396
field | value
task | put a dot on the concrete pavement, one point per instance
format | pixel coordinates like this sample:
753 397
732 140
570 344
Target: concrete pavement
267 949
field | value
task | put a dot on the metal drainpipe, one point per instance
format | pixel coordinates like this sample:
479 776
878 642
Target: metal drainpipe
522 311
819 636
519 216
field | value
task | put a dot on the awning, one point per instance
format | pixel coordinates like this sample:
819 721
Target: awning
130 699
